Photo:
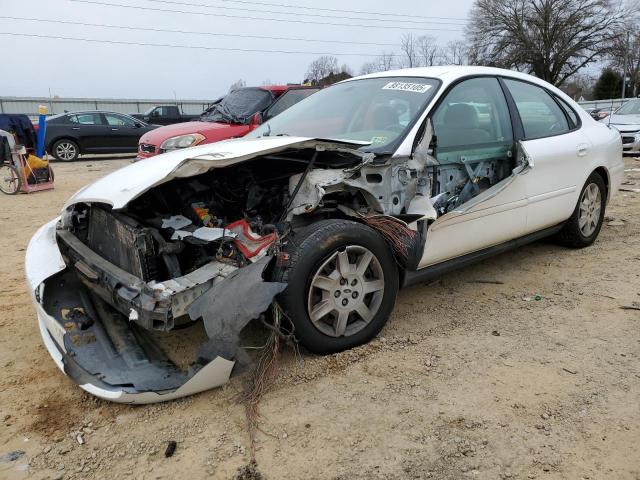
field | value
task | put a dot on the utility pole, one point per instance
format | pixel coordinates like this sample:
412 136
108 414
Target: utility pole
624 68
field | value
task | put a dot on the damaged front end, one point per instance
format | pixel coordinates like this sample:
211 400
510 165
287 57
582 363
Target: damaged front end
148 301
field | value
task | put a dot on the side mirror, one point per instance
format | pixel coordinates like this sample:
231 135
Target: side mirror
138 125
155 113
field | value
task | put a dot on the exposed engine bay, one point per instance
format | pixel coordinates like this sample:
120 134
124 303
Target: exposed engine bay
200 250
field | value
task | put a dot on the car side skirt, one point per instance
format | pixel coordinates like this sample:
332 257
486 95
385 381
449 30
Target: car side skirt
435 271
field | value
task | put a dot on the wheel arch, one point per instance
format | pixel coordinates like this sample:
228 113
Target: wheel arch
604 174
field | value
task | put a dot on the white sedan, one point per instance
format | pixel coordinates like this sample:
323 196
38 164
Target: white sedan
311 224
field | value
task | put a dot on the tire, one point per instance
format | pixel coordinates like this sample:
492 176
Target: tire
65 150
590 209
10 179
357 305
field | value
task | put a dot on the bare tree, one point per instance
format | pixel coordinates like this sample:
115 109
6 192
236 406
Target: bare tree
386 61
369 67
552 39
409 47
321 68
383 63
429 53
625 52
456 53
237 85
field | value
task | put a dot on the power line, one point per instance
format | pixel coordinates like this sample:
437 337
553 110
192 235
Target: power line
196 47
225 15
163 30
324 9
205 5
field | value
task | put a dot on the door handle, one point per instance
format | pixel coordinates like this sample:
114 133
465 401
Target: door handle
114 129
75 128
583 150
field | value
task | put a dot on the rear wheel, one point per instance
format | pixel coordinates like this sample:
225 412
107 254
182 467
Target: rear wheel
342 285
65 150
10 181
584 225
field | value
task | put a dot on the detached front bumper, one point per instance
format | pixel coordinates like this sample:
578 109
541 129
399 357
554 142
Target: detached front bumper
108 359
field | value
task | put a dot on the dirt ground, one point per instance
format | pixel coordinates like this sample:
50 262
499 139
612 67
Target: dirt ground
469 379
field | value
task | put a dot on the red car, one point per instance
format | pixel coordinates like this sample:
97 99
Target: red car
235 115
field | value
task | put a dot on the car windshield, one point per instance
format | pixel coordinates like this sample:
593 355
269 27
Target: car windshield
632 107
239 106
378 111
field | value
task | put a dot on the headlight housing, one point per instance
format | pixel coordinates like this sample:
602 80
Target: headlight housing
181 141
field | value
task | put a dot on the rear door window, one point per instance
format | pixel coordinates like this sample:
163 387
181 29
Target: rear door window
119 120
86 119
541 116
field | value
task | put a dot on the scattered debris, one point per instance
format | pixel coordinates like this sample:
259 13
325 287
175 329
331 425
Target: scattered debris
495 333
490 282
572 372
176 222
616 223
632 190
80 439
537 297
209 234
633 306
12 456
171 449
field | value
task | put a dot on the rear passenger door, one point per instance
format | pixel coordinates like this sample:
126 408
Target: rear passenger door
474 137
90 131
557 148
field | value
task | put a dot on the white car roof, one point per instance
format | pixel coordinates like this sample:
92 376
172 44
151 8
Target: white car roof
451 73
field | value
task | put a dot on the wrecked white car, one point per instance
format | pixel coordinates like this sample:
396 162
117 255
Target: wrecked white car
144 285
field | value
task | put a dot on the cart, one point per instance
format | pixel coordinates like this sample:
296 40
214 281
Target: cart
21 171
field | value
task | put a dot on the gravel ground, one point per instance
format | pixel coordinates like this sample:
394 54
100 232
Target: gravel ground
468 379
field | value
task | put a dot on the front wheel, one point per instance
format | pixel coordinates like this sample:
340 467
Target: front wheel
342 285
584 225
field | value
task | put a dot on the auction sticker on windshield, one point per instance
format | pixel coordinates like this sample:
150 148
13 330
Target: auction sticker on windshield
407 87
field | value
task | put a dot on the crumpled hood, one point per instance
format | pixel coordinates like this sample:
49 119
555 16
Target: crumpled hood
120 187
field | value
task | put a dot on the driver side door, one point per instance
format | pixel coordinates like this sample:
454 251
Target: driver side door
478 170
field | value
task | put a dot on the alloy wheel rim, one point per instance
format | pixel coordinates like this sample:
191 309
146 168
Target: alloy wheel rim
66 151
8 179
590 208
346 292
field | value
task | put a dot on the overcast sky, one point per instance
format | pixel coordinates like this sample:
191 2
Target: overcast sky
70 68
